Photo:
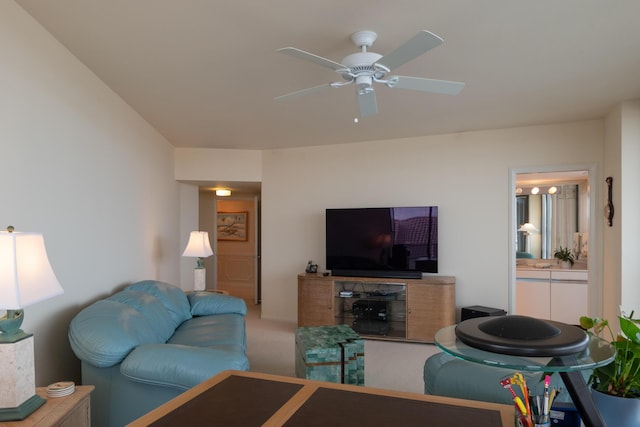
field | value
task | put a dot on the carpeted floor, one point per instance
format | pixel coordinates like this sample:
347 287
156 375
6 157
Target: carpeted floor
388 365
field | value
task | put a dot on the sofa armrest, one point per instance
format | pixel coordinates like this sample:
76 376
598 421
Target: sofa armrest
208 303
179 366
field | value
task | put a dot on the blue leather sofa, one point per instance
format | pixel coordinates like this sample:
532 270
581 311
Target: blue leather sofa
150 342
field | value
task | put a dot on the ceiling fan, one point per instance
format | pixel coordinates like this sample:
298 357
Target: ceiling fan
365 68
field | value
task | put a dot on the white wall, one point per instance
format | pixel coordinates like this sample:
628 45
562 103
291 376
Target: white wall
189 219
611 261
621 154
201 164
81 167
629 206
465 174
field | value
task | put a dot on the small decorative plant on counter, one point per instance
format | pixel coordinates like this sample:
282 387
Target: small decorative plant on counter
622 376
564 255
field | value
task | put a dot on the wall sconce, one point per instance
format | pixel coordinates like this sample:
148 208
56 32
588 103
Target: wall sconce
200 248
26 278
223 193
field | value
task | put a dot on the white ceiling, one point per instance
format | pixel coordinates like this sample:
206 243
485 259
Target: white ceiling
205 72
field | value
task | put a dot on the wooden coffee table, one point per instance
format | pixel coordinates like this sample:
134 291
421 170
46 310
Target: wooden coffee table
236 398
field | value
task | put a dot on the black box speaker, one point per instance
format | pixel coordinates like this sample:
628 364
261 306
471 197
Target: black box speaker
480 311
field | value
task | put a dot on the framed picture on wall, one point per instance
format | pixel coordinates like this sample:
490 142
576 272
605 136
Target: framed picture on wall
232 226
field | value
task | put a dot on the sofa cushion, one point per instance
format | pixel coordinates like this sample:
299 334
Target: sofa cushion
151 309
106 331
179 365
172 297
206 303
221 331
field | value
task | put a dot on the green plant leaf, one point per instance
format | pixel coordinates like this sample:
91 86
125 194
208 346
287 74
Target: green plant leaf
586 322
630 329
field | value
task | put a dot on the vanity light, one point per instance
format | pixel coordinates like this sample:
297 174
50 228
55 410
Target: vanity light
535 190
553 190
223 192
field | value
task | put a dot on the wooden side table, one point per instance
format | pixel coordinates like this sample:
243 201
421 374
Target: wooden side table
68 411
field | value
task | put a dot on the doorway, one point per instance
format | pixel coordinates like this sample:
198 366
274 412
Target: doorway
238 260
571 225
233 224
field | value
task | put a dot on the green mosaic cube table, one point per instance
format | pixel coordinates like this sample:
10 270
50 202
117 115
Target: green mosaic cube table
330 353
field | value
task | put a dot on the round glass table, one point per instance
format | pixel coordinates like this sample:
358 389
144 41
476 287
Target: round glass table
597 352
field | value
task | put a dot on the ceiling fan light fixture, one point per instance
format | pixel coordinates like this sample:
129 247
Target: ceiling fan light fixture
365 68
364 83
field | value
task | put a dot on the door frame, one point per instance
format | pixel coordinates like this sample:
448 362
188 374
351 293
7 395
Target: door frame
257 285
596 221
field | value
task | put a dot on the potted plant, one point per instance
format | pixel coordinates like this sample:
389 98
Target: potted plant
616 386
564 255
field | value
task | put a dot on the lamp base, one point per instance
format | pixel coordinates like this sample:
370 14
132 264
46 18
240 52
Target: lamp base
200 275
17 376
10 323
23 411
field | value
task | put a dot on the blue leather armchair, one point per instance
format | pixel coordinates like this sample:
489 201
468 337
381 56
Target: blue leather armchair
150 342
445 375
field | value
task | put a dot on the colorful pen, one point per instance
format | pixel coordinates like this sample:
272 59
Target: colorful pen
547 380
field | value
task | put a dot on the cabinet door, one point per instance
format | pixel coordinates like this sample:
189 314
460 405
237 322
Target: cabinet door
315 302
429 308
569 301
532 298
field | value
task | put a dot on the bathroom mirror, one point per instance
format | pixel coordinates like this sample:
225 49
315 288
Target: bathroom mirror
552 210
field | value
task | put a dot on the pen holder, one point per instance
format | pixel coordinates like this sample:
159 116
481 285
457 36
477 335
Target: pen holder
540 415
537 421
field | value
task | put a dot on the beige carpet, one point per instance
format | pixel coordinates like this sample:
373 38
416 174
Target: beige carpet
389 365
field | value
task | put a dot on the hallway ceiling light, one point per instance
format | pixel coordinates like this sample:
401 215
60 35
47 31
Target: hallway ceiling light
223 192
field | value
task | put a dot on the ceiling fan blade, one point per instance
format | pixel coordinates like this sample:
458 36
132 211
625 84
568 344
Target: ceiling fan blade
312 57
302 92
415 47
367 102
426 85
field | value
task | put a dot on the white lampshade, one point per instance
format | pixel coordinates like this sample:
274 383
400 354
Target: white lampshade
528 228
26 277
198 245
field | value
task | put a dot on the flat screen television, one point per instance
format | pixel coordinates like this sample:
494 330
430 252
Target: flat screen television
382 242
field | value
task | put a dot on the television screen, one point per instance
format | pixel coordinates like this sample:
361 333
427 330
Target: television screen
383 242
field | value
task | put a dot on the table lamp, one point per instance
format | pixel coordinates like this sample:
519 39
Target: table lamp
199 247
26 278
528 230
